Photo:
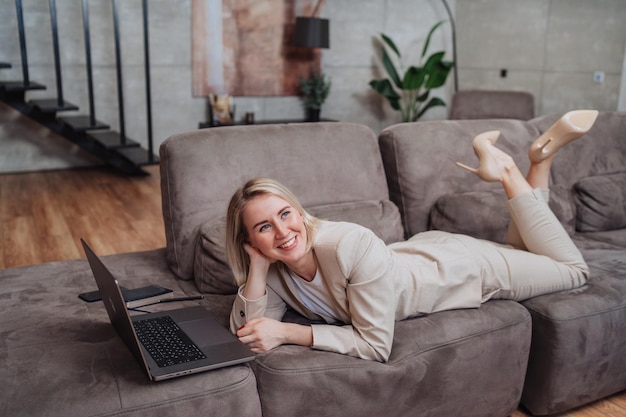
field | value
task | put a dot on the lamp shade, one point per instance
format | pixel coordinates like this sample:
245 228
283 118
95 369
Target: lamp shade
311 32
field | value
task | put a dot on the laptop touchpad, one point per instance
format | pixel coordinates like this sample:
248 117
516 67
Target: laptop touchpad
206 332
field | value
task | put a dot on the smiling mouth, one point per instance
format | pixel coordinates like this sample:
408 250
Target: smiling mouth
288 244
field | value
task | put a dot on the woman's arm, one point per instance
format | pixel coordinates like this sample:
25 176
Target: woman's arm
256 281
264 334
253 300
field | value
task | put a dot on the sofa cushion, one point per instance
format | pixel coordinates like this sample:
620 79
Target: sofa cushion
601 202
213 275
61 357
606 239
382 217
432 359
419 161
481 214
577 351
484 215
492 104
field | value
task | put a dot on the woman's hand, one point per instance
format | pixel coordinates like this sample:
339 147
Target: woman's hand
257 274
257 258
264 334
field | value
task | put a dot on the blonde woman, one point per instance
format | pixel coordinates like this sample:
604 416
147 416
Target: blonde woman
354 287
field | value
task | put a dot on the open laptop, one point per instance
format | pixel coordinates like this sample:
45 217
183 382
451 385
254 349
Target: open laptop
202 342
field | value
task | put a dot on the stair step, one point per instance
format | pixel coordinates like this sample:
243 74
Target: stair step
112 140
20 86
5 65
138 156
83 123
51 105
90 135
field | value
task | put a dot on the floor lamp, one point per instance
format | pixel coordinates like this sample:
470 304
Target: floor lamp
456 67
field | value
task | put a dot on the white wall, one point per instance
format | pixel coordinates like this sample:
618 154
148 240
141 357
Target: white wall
550 48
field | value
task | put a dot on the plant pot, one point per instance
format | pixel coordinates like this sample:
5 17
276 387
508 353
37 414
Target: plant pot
312 115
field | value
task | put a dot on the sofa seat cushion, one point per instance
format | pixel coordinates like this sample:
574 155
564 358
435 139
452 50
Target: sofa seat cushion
432 360
484 214
86 379
601 202
212 273
609 239
577 353
60 356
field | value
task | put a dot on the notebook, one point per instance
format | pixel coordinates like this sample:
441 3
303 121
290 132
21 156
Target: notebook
172 343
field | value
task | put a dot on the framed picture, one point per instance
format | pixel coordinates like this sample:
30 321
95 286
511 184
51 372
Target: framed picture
245 47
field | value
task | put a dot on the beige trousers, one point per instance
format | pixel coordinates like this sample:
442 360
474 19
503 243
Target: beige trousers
540 257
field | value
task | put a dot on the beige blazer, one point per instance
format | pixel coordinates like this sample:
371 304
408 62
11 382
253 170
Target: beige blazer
371 285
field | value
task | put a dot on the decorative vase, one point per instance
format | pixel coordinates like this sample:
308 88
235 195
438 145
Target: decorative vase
312 115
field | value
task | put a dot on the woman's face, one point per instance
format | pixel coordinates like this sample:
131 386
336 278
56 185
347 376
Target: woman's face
275 228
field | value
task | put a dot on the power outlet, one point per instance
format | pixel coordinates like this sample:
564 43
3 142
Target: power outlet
598 77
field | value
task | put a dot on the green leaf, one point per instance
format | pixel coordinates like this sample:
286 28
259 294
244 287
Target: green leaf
429 36
436 70
408 94
423 97
391 69
315 89
435 101
413 78
385 89
390 43
437 78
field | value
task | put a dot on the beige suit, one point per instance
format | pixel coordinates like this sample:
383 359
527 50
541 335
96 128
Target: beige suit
372 285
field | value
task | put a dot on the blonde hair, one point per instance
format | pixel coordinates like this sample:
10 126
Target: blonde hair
236 233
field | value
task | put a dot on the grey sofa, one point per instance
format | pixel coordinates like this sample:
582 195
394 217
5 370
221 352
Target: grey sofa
492 104
60 357
578 349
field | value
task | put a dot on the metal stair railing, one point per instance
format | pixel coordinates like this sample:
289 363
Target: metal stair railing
110 138
59 104
26 84
87 132
89 122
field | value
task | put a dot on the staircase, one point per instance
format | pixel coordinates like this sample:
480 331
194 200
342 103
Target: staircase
112 147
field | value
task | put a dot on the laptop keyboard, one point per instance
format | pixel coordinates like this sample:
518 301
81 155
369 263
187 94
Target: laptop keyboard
166 342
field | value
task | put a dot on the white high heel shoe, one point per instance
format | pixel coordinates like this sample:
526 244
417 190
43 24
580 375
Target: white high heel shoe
569 127
488 168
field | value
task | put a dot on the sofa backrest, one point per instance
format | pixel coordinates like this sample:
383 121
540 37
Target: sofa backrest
594 169
419 160
492 104
322 163
431 192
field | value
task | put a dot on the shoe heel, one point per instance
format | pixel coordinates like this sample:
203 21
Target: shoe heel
470 169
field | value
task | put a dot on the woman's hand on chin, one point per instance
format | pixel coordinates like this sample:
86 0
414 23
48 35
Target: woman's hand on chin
257 257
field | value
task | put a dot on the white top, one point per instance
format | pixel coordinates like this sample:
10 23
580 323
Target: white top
314 295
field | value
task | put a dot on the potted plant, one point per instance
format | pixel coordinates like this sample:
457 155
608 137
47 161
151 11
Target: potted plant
314 91
410 94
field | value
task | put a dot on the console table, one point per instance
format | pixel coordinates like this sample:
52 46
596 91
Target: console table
204 125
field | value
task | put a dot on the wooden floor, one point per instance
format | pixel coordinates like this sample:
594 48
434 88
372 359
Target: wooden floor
43 215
